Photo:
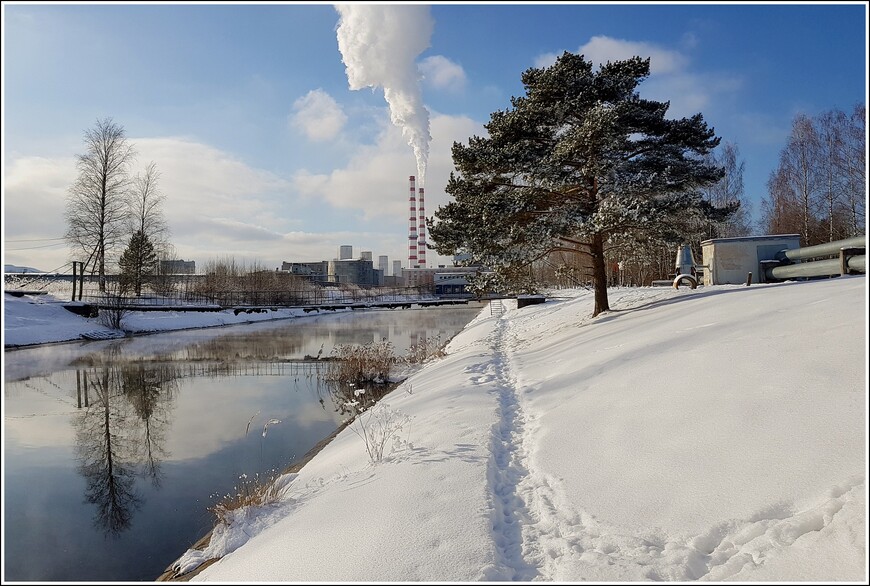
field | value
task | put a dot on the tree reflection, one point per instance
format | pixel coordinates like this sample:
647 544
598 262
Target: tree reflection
150 390
120 431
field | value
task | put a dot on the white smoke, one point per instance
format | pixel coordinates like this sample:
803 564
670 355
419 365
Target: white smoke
379 45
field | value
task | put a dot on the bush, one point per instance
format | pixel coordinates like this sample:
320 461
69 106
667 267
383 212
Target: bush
113 307
256 491
356 363
377 426
424 349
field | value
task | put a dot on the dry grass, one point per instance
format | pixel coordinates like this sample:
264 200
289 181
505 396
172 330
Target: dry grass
356 363
425 349
250 491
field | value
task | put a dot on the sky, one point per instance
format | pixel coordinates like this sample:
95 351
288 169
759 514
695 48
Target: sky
548 445
283 131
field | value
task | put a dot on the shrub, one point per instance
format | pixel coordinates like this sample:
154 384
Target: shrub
356 363
377 426
424 349
256 491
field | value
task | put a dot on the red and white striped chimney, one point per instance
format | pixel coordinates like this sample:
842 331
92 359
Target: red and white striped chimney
412 233
421 243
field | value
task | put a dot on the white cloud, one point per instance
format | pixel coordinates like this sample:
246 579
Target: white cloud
601 49
376 179
217 205
546 60
670 78
34 206
318 116
439 72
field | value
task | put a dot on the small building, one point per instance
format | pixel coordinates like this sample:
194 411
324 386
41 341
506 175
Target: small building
452 284
728 261
314 271
426 277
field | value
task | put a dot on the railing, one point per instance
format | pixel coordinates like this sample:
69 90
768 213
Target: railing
244 299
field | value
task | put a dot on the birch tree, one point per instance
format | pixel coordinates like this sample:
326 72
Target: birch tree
146 208
97 209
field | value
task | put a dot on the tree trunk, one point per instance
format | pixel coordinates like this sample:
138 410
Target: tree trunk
599 274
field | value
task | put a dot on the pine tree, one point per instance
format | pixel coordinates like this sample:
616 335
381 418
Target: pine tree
137 263
579 160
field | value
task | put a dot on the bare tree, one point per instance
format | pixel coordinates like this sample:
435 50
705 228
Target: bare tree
819 187
830 128
96 205
781 209
727 191
796 182
853 161
146 208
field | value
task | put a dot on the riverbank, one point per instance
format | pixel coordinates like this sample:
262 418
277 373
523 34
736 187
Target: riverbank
710 434
179 447
173 572
35 320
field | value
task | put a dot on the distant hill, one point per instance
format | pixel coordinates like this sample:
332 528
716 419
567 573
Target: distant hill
17 269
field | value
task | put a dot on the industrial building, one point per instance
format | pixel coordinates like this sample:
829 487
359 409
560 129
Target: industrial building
730 260
354 271
177 267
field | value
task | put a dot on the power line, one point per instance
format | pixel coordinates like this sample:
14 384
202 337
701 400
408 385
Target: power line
35 239
35 247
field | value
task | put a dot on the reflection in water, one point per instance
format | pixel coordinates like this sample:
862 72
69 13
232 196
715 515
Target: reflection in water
125 410
131 436
120 432
106 452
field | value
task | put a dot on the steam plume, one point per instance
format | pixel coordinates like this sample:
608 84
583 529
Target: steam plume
379 45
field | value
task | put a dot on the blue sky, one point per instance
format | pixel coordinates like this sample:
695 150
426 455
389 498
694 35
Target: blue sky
266 152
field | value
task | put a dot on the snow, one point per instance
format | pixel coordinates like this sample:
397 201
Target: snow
41 319
716 433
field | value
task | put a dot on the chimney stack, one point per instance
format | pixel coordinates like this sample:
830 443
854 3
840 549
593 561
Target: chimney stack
421 243
412 235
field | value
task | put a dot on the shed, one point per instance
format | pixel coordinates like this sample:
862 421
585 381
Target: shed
730 260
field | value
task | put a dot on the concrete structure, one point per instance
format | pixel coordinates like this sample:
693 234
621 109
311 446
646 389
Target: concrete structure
397 268
177 267
315 271
355 272
383 264
366 255
453 282
425 277
730 260
345 252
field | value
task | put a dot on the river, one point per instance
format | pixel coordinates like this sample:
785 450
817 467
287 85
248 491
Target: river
115 450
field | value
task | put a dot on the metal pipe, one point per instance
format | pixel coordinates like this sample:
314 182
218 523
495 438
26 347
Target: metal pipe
826 249
819 268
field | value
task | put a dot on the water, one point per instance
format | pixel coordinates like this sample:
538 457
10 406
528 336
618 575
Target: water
115 450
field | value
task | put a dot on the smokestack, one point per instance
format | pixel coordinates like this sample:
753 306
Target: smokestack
379 46
412 235
421 244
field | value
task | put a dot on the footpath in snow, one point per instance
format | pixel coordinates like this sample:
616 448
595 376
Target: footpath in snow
709 434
